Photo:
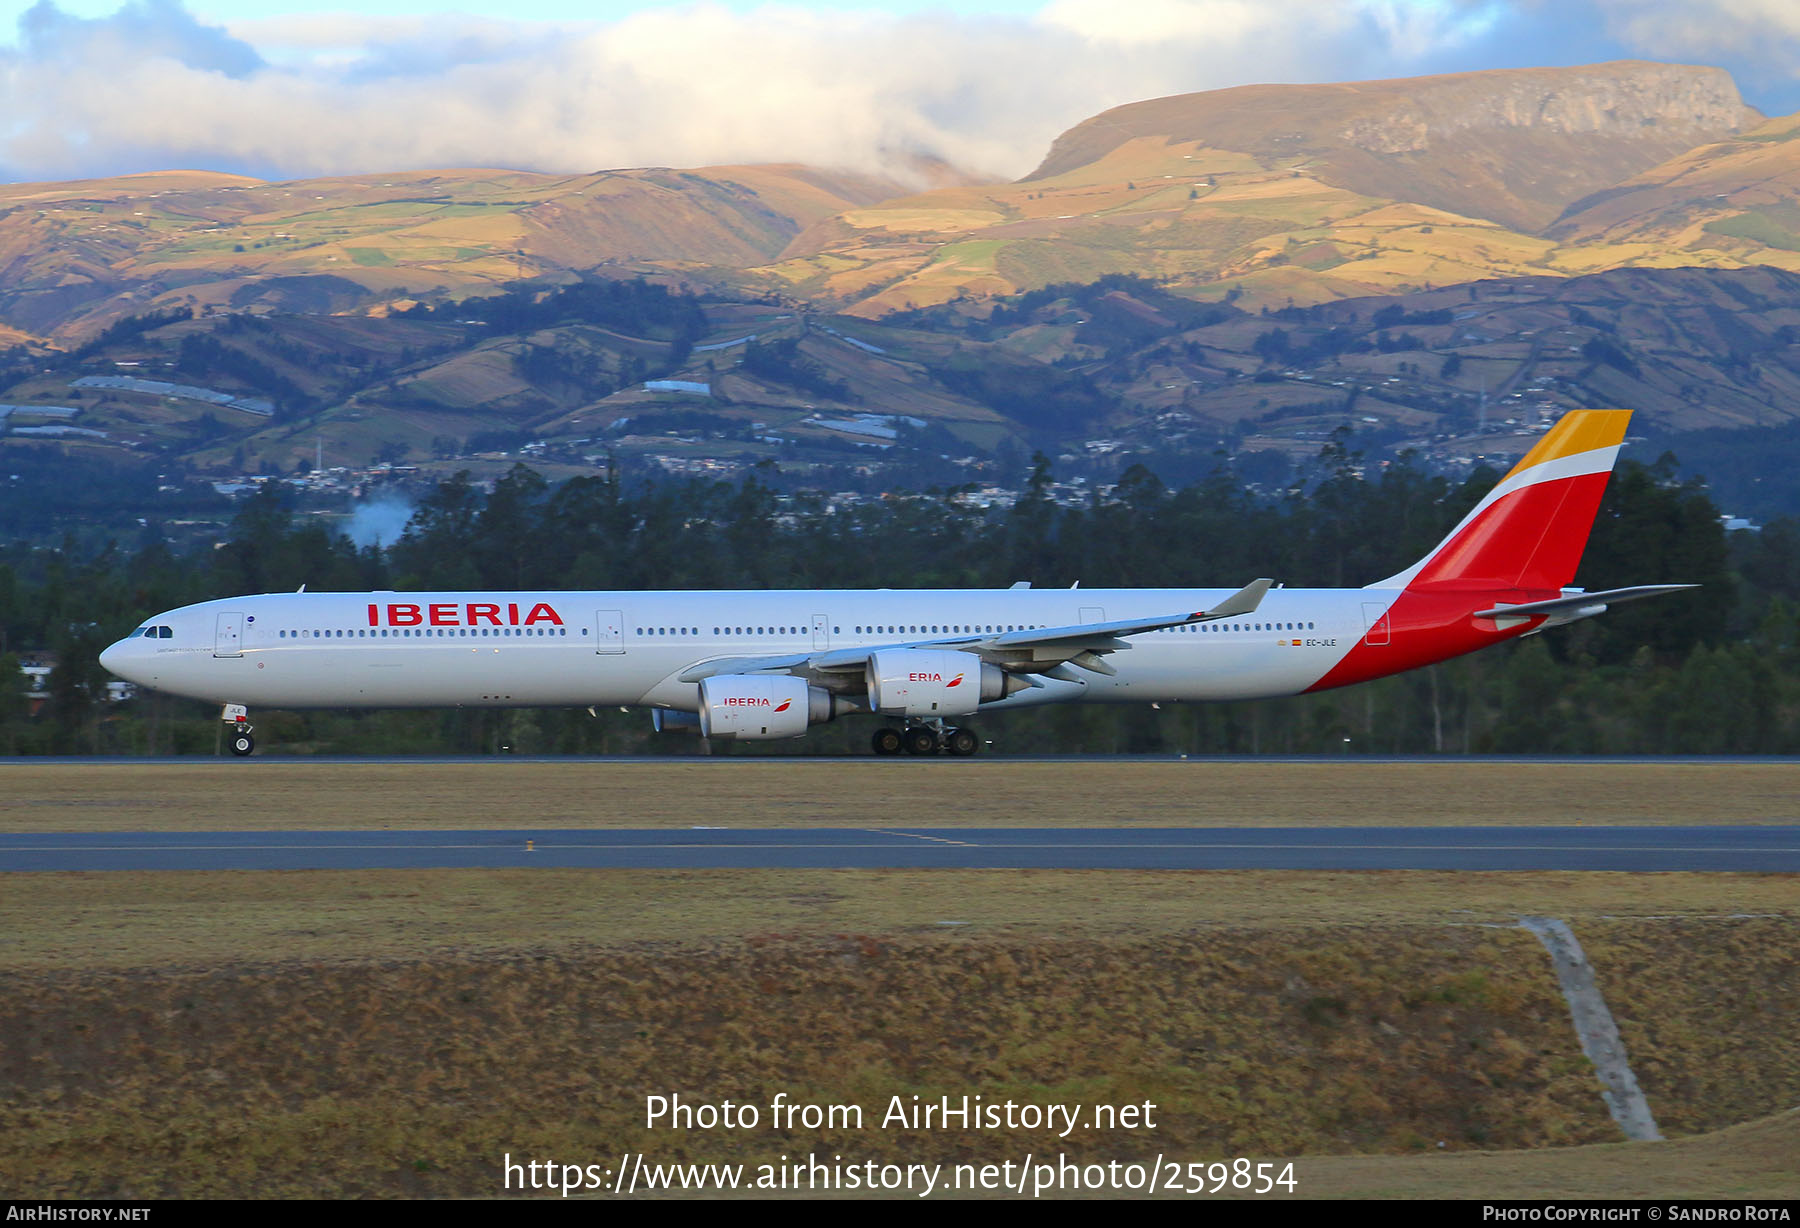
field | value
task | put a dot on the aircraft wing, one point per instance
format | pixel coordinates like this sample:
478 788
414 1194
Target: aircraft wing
1582 601
1244 601
1044 648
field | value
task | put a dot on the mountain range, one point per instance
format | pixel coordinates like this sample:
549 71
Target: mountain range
1244 267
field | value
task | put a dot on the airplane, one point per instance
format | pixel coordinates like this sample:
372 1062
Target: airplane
764 665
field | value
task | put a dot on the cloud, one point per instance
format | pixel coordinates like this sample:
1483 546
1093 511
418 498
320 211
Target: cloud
1736 27
1763 34
151 87
141 28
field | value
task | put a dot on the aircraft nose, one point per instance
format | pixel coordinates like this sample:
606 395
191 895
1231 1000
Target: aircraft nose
112 658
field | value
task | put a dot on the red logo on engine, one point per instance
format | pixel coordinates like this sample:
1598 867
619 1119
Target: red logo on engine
785 705
956 681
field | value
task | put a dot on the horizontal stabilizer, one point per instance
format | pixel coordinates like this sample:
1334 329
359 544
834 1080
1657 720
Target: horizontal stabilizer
1582 601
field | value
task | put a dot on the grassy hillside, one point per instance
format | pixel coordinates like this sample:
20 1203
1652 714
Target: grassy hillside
1265 194
574 367
1729 201
1504 145
74 256
1107 371
1689 349
1258 231
1277 194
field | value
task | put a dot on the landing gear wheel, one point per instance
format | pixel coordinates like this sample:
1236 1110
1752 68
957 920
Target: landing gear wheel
242 744
962 742
886 742
919 742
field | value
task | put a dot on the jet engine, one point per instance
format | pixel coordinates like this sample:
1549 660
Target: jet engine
761 707
921 682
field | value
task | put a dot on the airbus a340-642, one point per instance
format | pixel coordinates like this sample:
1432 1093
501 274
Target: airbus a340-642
764 665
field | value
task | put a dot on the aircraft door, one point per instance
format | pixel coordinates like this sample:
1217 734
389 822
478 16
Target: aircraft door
1092 614
1375 616
228 636
609 631
821 633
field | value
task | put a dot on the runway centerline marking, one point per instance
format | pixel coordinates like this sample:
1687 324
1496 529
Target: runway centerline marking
913 835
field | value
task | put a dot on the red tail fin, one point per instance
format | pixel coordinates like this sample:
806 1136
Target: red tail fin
1530 530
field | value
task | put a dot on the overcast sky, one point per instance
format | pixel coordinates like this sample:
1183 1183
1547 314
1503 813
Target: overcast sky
285 88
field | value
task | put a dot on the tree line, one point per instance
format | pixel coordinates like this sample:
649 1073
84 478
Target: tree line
1710 671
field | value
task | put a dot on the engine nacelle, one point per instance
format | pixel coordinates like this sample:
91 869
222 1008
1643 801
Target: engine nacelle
924 682
760 707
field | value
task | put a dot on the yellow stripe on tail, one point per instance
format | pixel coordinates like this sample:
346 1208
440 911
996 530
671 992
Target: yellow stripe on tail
1582 430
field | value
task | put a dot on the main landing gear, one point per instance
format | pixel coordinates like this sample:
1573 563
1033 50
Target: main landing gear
926 738
238 729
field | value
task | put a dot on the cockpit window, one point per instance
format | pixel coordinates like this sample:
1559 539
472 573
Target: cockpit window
159 633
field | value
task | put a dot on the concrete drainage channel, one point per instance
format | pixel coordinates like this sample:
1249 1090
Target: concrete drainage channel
1594 1025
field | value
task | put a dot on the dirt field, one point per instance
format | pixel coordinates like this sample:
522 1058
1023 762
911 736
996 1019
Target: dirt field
275 794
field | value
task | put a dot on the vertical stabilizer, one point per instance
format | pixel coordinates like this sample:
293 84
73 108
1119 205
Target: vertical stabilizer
1530 530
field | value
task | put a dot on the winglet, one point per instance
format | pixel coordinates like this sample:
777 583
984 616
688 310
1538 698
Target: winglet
1244 601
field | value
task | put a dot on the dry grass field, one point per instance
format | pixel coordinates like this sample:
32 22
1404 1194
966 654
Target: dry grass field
381 1076
398 1032
273 794
120 922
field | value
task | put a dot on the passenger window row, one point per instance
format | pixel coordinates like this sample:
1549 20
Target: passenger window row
921 629
947 629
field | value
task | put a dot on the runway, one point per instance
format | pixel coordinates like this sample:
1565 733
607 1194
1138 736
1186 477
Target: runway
1746 848
728 759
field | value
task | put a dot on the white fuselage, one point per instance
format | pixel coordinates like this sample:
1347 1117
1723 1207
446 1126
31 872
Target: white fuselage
545 649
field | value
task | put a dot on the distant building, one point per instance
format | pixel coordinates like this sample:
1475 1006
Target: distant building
262 407
875 426
725 345
36 671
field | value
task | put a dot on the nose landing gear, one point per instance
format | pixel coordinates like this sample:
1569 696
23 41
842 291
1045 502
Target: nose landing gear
238 729
926 737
